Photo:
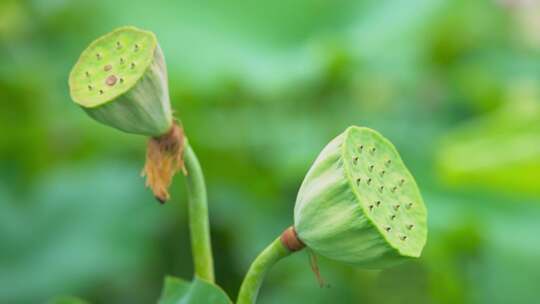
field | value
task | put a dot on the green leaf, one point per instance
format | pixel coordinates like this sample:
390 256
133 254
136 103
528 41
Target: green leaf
67 300
499 151
178 291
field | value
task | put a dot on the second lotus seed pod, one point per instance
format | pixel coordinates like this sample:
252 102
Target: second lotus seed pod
359 204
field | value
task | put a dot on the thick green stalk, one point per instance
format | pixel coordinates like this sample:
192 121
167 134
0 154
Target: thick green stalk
199 226
258 270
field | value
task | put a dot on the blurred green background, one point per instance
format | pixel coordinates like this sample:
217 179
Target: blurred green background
261 87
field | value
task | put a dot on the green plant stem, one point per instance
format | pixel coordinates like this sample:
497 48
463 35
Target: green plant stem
199 226
258 270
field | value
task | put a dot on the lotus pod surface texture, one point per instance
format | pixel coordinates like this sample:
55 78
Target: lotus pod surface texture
359 204
121 81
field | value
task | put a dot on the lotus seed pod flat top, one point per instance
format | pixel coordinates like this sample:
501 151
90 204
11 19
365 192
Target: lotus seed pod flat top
120 80
359 203
111 65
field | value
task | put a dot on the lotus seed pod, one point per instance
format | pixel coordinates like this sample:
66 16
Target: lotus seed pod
359 204
121 81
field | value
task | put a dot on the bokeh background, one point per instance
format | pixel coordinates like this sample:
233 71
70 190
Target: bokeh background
261 87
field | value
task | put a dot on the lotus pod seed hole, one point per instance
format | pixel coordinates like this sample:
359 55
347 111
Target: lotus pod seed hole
369 181
132 65
122 60
358 180
136 47
373 150
381 188
410 227
101 92
355 160
98 56
118 45
378 203
388 228
396 207
107 68
393 217
403 238
111 80
394 189
87 74
388 162
360 148
401 182
121 80
382 173
409 206
90 87
371 168
370 207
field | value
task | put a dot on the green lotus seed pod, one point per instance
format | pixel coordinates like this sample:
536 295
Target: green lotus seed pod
359 204
121 81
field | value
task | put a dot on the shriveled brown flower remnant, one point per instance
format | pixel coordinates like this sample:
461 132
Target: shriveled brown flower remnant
164 158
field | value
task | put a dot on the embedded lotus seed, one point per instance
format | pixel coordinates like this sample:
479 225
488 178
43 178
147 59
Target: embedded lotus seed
107 68
111 80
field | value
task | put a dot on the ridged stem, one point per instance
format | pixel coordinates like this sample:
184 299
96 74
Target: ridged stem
277 250
199 226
